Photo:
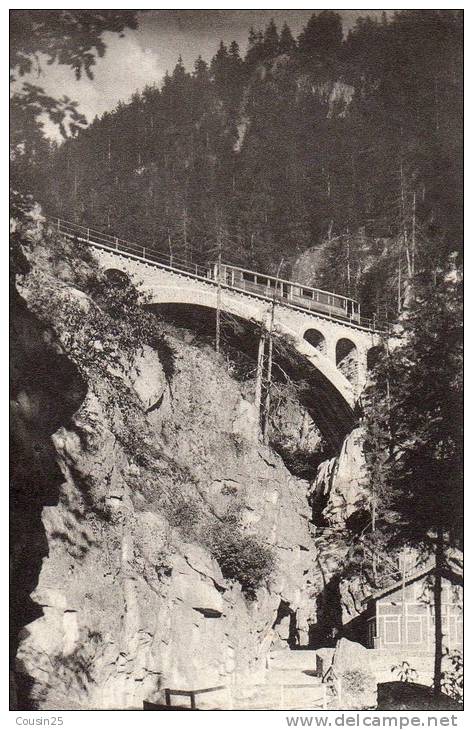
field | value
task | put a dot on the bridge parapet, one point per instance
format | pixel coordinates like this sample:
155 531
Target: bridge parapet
339 348
347 371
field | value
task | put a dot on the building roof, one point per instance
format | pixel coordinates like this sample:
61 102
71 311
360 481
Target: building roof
413 577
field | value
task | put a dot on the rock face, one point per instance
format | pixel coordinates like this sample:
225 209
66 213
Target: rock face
294 435
131 472
353 676
307 266
338 497
131 462
337 492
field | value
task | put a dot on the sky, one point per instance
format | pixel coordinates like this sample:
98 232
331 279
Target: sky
143 55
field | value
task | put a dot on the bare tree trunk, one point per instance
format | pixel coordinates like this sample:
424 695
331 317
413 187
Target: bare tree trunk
267 405
269 370
436 104
304 430
399 278
259 372
329 232
404 607
219 237
348 267
373 528
439 550
403 223
219 297
184 231
75 193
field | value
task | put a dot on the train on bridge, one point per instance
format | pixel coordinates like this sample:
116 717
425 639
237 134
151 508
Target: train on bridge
285 292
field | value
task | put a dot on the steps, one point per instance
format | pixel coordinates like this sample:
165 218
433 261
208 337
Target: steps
293 659
290 684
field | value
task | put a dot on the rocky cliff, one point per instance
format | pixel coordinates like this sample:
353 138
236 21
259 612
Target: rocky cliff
338 490
338 497
139 477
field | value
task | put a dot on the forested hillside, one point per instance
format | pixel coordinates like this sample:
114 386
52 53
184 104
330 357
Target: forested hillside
189 506
352 145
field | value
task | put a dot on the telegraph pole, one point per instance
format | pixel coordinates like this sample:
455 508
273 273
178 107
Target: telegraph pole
218 232
269 369
219 295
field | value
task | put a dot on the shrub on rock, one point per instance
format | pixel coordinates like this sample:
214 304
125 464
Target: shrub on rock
242 558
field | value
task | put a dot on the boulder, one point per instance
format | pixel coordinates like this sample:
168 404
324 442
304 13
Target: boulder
147 377
409 696
354 681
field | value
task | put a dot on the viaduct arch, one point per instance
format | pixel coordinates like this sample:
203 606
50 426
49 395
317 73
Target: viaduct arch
341 352
337 349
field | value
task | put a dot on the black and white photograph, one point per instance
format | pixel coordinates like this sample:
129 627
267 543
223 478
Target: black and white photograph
236 362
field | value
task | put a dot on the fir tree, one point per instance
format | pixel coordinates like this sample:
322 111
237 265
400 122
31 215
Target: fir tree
271 40
201 71
296 156
322 36
255 53
235 53
287 44
414 432
219 66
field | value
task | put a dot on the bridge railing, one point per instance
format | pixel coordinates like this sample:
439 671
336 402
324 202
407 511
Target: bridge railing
92 236
245 696
190 693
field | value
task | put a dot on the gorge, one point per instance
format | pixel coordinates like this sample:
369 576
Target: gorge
132 568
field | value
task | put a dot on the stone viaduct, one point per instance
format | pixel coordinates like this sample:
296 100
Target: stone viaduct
340 351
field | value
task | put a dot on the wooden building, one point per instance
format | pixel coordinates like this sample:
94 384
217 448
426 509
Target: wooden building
401 616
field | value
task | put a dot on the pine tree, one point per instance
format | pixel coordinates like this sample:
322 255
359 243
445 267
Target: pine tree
235 53
179 74
415 432
256 52
322 36
202 91
201 71
287 44
219 66
271 40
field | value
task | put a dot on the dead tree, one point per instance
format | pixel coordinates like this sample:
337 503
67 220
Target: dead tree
219 304
269 368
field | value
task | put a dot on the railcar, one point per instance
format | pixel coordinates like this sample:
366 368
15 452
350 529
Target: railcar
298 295
305 297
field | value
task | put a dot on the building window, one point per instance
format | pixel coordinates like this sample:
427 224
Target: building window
414 630
392 630
455 635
